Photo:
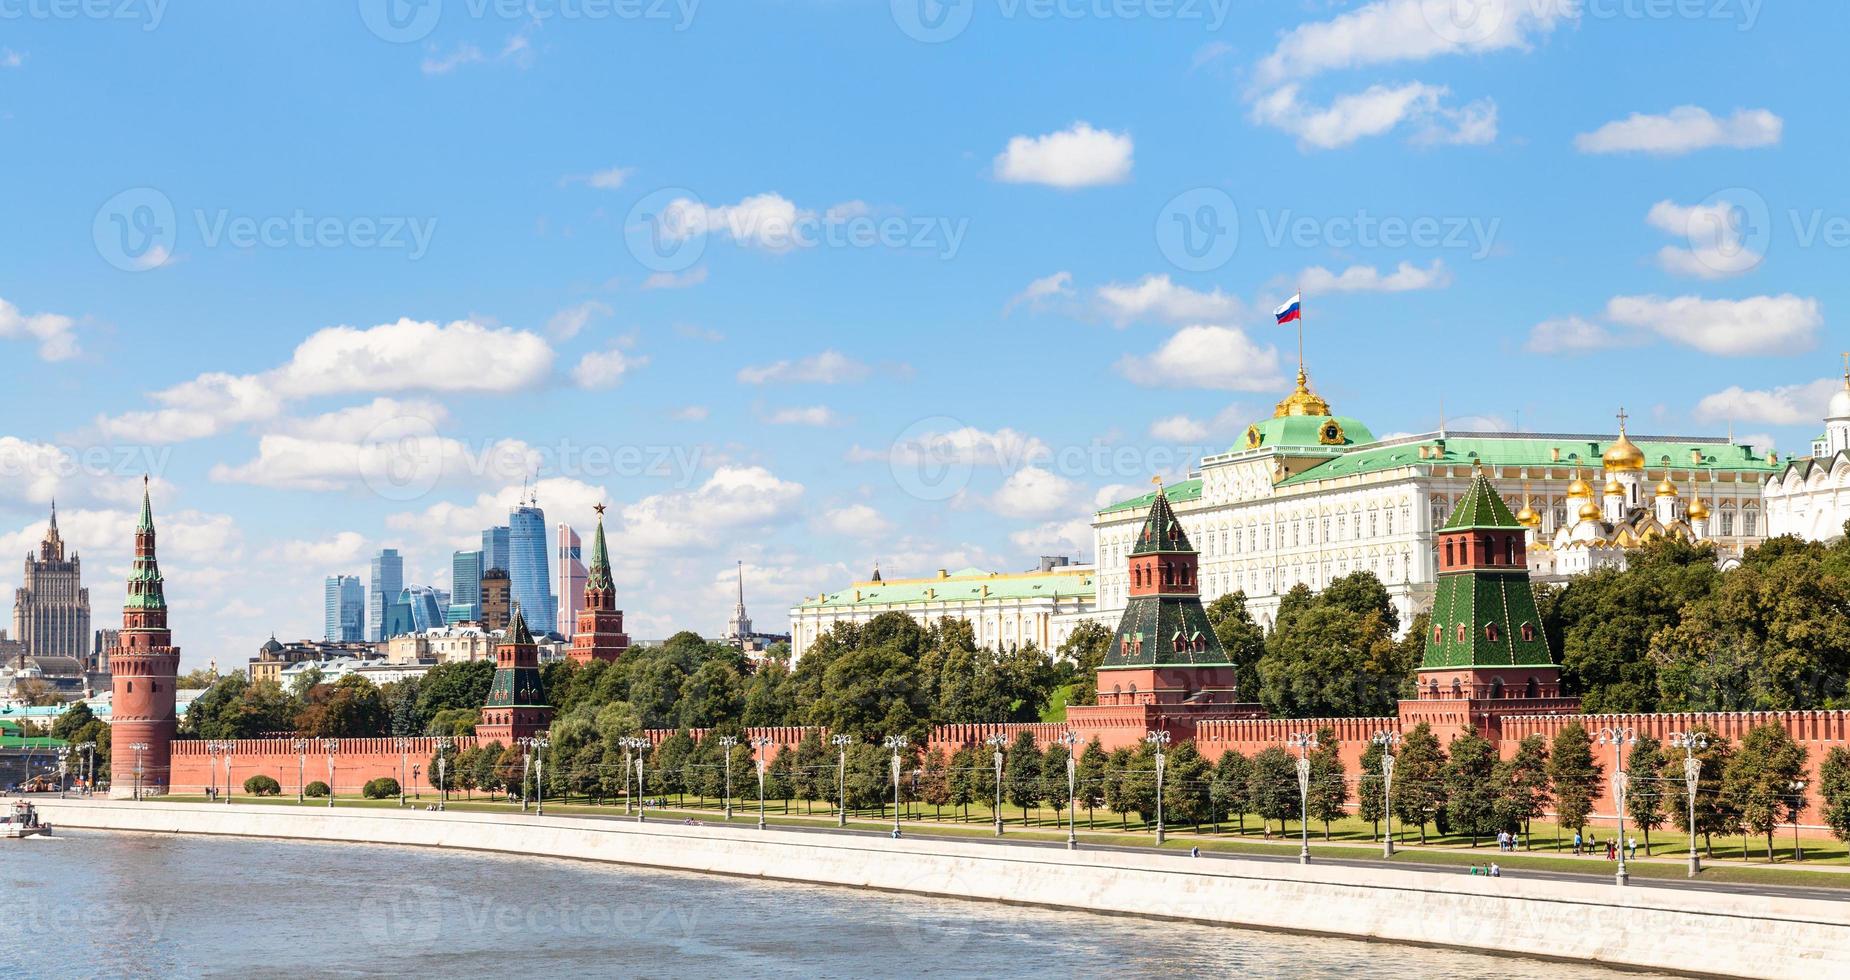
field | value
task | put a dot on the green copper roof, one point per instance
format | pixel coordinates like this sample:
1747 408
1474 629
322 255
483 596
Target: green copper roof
1305 430
517 687
147 509
1162 533
517 631
1538 451
1164 631
145 590
967 585
1177 493
599 575
1481 507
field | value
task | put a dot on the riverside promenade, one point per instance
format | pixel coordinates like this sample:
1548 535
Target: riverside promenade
1653 928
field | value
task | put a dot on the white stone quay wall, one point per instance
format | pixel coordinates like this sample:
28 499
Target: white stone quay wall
1653 928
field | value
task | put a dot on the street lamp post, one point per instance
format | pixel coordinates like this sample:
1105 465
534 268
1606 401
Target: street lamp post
301 769
1387 740
841 779
444 743
637 744
404 758
1797 788
1157 740
1070 739
1304 742
525 742
228 747
1618 738
727 742
417 768
759 745
139 748
89 751
211 768
540 744
997 742
331 746
896 743
64 770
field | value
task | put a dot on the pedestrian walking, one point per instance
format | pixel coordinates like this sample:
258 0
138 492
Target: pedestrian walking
1576 843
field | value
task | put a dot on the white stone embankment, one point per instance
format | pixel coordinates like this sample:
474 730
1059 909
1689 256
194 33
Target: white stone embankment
1641 927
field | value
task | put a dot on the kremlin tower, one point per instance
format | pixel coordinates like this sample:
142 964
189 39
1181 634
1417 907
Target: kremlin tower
599 634
516 705
146 666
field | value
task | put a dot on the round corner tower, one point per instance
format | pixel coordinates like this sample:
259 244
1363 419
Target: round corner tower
145 666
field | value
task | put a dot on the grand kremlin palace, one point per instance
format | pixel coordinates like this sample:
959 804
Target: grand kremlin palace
1309 496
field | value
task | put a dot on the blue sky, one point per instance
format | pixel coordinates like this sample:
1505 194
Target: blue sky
732 267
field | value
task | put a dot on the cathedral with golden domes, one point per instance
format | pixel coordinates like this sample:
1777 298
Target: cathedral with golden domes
1308 496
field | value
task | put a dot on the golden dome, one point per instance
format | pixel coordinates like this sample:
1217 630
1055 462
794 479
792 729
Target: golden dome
1623 456
1301 401
1614 488
1698 511
1589 511
1666 489
1579 488
1527 516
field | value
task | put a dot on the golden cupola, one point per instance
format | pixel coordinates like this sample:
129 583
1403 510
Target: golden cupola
1614 488
1589 511
1301 401
1579 488
1527 516
1623 456
1666 488
1698 511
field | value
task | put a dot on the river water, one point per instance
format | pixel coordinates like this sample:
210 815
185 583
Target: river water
94 904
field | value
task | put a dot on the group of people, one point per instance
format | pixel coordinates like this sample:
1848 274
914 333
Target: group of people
1489 871
1591 846
1506 841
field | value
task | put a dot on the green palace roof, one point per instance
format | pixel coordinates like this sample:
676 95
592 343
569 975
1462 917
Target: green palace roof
1176 492
1328 431
1535 450
965 585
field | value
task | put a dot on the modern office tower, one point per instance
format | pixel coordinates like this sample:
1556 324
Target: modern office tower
387 582
344 613
528 572
494 548
416 610
497 601
466 570
571 585
51 610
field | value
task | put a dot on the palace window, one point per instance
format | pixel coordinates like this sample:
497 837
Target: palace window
1509 551
1528 632
1490 632
1438 634
1462 633
1727 523
1749 522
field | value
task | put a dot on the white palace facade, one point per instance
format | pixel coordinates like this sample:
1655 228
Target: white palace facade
1308 497
1810 497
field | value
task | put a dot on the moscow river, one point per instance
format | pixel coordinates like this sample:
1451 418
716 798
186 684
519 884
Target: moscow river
94 904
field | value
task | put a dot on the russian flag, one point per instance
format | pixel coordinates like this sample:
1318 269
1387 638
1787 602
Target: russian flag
1292 310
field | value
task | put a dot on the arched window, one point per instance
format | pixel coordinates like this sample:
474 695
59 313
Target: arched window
1462 634
1432 690
1450 556
1496 688
1528 632
1491 632
1509 551
1438 633
1533 690
1458 689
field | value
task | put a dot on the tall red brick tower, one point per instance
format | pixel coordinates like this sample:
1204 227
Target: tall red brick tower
516 705
599 634
145 666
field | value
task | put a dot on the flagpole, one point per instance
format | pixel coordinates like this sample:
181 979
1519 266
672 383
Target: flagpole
1300 330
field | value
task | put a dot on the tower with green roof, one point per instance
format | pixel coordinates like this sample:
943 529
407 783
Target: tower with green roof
516 705
144 671
599 631
1486 654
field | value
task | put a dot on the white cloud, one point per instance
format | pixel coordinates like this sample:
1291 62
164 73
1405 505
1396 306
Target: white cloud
30 472
605 369
610 179
460 357
690 413
856 521
1800 404
827 368
1157 298
1179 428
1055 537
10 58
965 446
1060 284
56 333
734 497
1206 357
816 415
450 525
1684 129
1375 111
1033 492
462 54
1574 334
1208 54
676 280
1368 279
388 445
572 320
382 418
342 550
765 220
1719 326
1394 31
1717 234
1079 156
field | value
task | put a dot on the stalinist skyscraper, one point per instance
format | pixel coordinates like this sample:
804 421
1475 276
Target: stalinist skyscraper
51 611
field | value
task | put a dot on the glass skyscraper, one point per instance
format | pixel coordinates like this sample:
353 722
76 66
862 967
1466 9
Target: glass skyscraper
387 582
494 548
345 616
528 572
466 570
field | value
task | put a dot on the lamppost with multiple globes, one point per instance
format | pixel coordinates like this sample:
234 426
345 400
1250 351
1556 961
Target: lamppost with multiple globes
895 743
444 744
1387 740
226 749
540 744
89 751
64 769
760 744
139 748
1618 737
1303 742
1157 741
331 746
841 779
1070 739
211 768
997 743
525 743
301 769
417 769
403 745
727 743
637 745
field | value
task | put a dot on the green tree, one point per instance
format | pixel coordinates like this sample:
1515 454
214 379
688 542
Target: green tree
1607 621
454 722
1716 811
770 697
1053 778
967 767
1329 780
1273 787
262 785
1240 636
1120 793
1232 787
869 776
349 708
1334 655
1021 774
1759 779
871 693
1471 792
810 783
1419 778
1834 790
460 684
1370 802
1186 779
780 777
713 694
1574 775
935 784
1526 791
1093 772
1085 649
1646 777
667 766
